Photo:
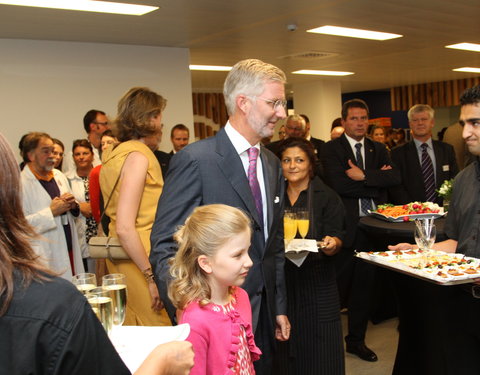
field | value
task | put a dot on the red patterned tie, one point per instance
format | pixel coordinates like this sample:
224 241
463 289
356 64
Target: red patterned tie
253 181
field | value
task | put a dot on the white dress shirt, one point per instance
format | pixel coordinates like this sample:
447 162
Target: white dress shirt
241 145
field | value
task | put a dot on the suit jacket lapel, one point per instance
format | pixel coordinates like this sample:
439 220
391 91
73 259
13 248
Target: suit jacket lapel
369 153
231 166
348 150
268 177
413 159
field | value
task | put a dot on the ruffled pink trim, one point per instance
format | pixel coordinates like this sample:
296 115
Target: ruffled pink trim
237 322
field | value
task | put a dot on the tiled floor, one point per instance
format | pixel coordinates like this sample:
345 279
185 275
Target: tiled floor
382 339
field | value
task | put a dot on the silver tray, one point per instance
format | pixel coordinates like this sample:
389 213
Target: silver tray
394 263
400 219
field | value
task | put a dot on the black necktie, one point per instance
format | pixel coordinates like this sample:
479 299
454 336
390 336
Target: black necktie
366 203
428 175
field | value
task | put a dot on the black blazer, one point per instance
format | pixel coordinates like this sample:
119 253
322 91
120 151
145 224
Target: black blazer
336 154
164 160
412 187
210 171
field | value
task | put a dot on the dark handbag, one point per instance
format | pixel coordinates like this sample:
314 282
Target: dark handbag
101 247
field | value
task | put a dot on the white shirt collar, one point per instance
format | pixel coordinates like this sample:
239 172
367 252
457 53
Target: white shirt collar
418 143
239 141
353 142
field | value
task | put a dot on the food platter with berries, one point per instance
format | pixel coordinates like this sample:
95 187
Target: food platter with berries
407 212
434 266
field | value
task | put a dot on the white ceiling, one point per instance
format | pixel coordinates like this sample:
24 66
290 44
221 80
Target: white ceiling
225 31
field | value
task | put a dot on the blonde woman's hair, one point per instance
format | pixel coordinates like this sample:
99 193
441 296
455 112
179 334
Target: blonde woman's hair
135 111
206 230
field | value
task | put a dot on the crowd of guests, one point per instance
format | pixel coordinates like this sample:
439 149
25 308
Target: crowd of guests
203 225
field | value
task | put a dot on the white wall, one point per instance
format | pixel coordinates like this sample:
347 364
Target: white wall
49 86
321 101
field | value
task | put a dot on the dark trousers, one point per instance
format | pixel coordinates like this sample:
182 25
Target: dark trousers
264 338
355 280
463 333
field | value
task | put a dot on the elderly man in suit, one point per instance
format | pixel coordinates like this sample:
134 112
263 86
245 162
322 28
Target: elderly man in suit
219 170
424 164
359 170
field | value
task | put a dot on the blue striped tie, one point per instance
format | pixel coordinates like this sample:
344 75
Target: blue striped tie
428 175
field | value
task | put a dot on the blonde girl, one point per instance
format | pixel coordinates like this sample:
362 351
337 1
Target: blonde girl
208 269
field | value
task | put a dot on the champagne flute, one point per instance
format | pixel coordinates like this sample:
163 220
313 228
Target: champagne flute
290 226
101 302
303 223
425 234
85 282
115 283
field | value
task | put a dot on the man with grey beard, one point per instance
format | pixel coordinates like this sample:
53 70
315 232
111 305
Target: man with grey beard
50 207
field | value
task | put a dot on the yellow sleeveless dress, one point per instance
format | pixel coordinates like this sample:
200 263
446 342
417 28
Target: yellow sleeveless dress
138 312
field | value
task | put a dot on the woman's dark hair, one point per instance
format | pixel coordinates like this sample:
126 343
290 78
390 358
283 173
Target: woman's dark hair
16 253
82 143
303 144
107 133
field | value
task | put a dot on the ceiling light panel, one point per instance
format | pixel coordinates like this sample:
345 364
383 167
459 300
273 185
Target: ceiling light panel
86 6
322 72
353 33
465 46
467 70
215 68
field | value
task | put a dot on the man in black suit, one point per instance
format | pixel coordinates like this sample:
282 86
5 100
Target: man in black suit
317 143
417 184
180 138
359 170
215 170
294 127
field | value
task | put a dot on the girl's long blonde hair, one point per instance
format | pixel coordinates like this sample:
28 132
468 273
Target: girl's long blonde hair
205 231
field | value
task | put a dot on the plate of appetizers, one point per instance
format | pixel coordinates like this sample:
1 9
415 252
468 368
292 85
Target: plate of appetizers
407 212
435 266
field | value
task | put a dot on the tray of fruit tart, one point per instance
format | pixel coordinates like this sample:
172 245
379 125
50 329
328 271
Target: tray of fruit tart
434 266
410 211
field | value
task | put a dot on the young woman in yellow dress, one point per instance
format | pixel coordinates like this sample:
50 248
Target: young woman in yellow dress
133 200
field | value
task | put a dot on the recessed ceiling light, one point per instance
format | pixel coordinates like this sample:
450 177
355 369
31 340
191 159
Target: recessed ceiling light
465 46
86 6
467 70
322 72
353 33
215 68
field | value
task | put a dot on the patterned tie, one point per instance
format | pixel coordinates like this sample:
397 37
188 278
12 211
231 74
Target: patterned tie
253 181
366 203
428 175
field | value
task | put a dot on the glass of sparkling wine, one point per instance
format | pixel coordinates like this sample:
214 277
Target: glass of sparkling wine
303 223
115 283
85 282
289 226
101 302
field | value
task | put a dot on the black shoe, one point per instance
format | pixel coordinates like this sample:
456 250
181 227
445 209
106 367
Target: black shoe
362 352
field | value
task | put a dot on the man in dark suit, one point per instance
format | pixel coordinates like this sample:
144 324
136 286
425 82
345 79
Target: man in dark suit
359 170
317 143
215 170
294 127
417 183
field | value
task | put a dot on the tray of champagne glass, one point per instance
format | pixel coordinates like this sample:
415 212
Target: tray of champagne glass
434 266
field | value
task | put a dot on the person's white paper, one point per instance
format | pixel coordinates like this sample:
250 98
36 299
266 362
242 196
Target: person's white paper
297 250
134 343
297 245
